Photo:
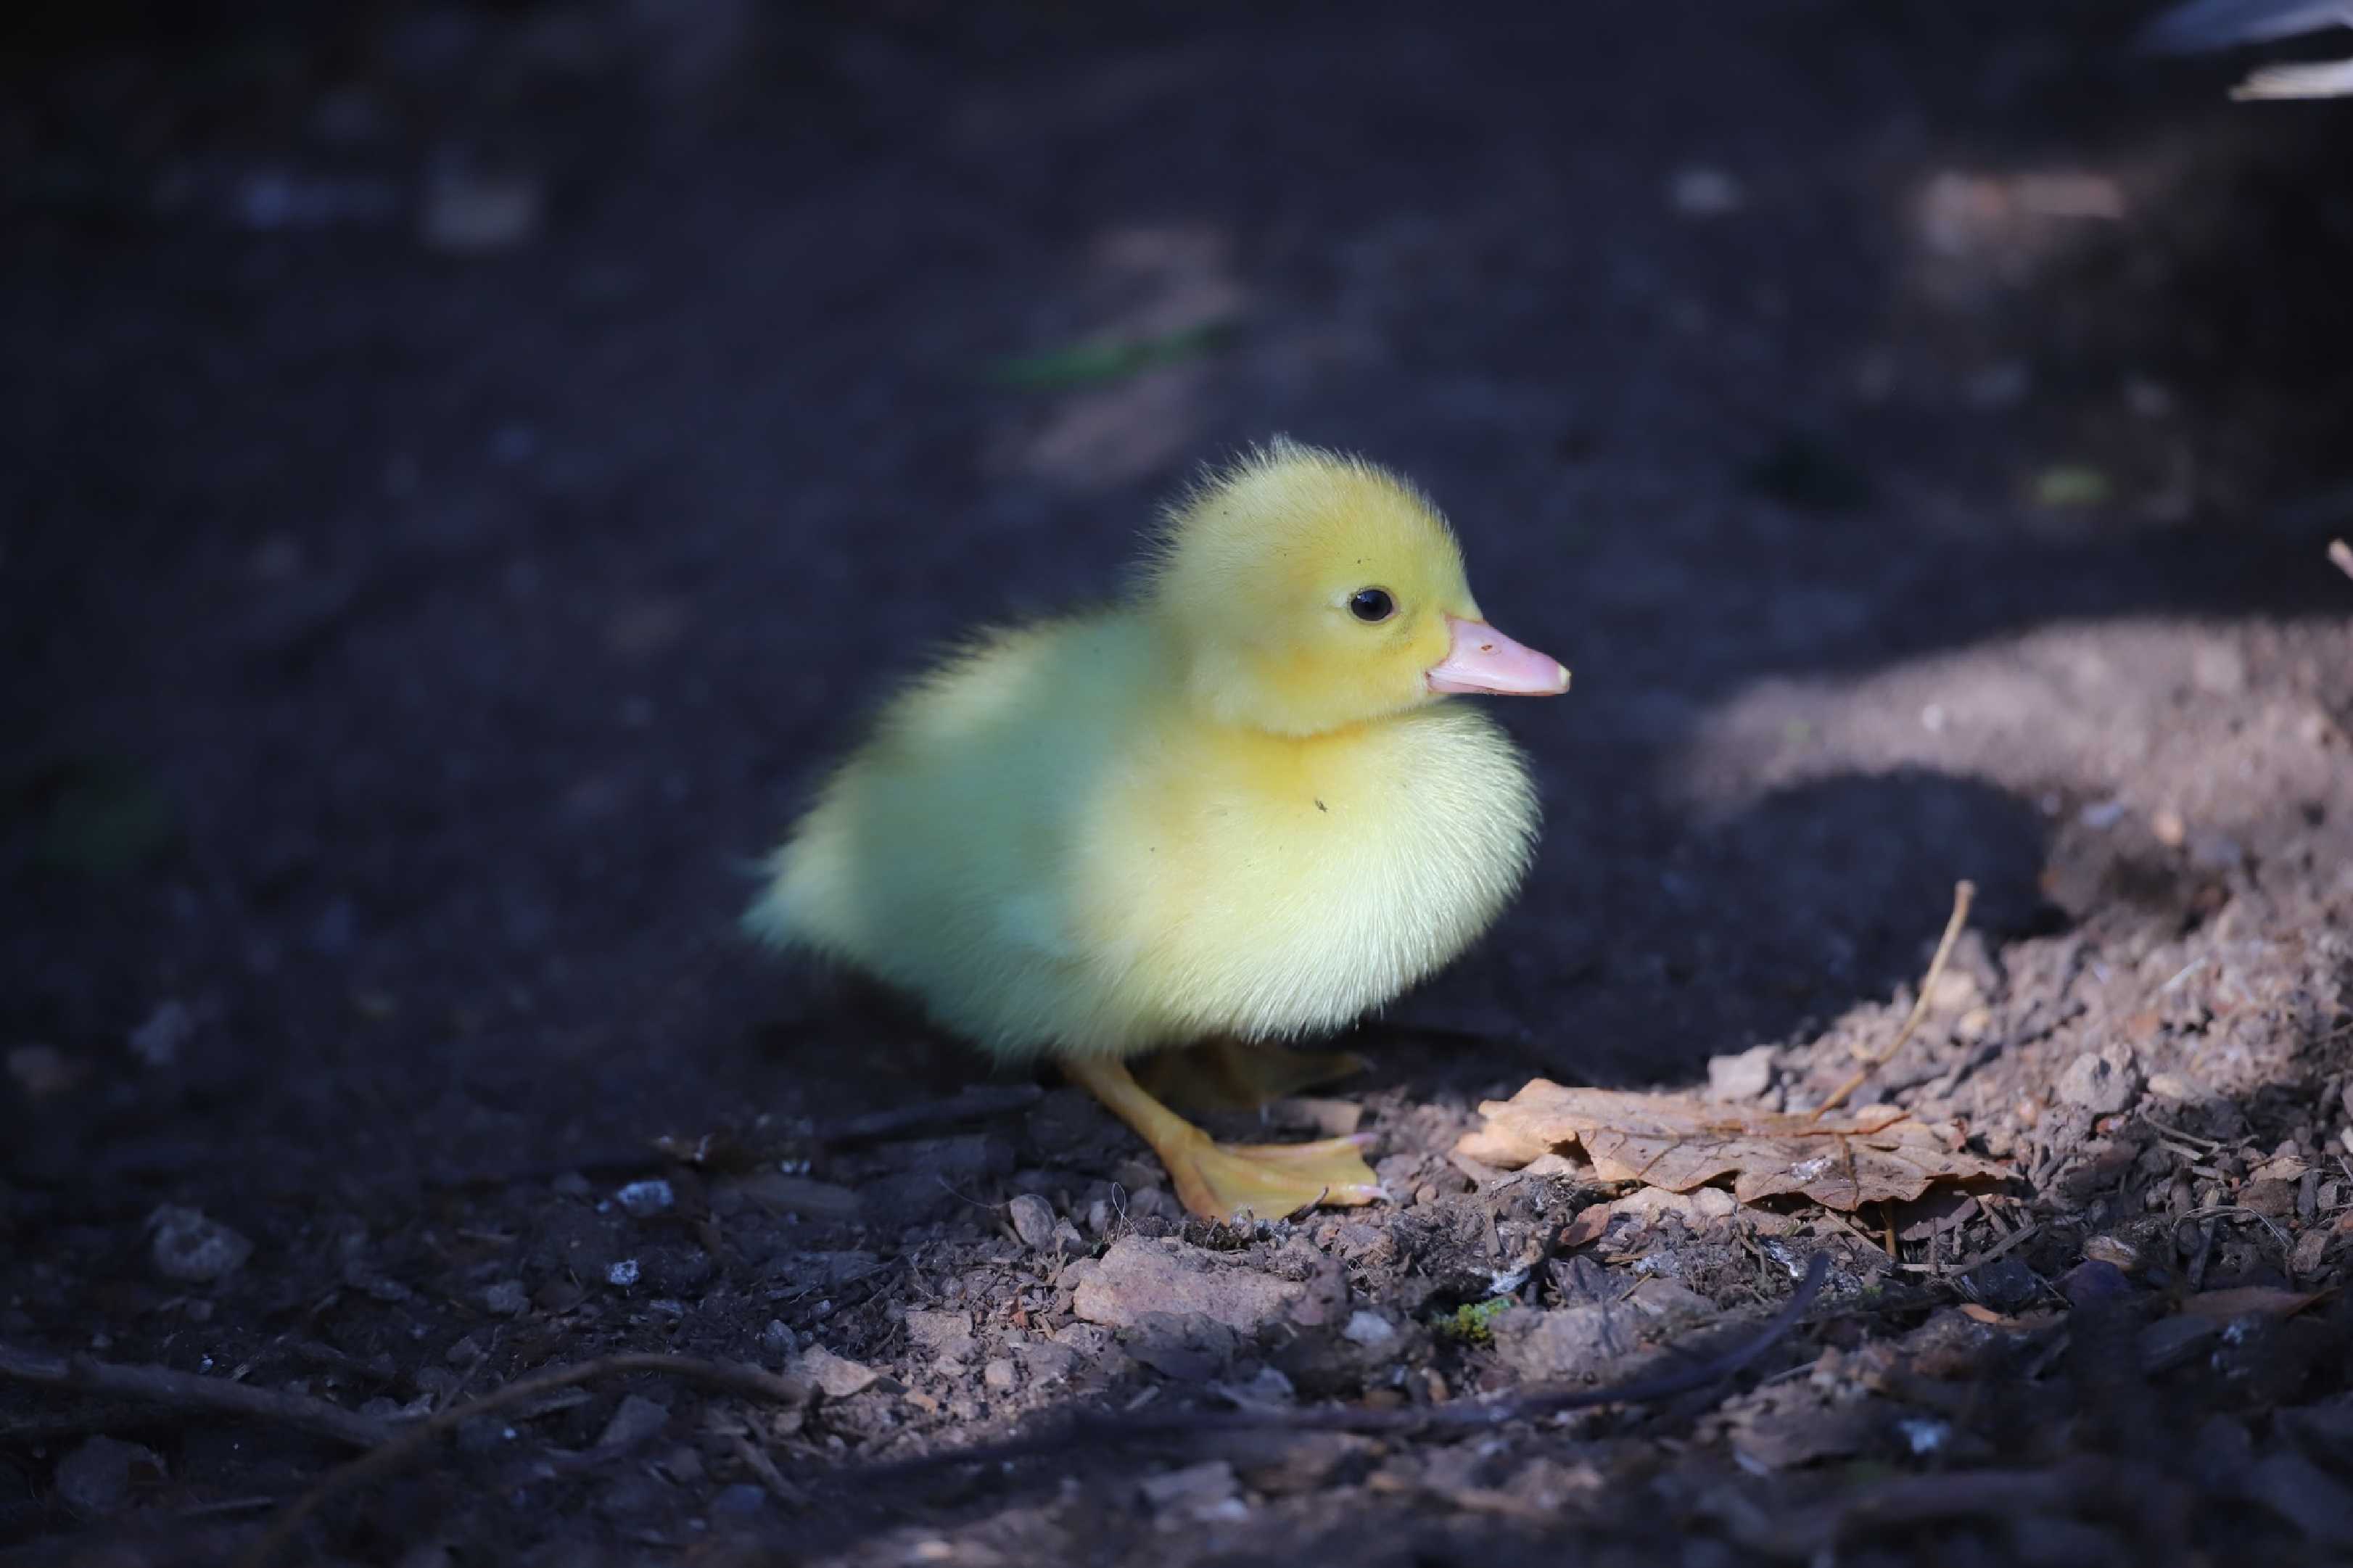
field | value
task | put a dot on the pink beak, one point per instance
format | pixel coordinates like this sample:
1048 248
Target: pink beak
1483 660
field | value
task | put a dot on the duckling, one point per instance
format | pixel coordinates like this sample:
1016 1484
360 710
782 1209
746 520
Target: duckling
1235 807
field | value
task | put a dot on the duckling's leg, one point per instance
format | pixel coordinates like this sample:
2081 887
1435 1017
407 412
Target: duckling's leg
1228 1074
1223 1180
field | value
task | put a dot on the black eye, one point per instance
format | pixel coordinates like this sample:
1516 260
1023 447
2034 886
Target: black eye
1371 605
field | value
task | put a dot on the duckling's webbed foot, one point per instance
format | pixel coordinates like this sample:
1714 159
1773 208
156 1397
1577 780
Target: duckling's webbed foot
1268 1181
1226 1180
1227 1074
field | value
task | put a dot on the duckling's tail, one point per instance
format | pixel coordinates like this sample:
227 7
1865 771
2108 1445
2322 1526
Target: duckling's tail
779 916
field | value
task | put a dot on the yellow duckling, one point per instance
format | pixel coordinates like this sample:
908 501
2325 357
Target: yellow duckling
1232 809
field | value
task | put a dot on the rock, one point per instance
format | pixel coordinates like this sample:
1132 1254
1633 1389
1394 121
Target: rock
1741 1076
741 1500
2216 852
42 1070
1700 190
1137 1277
999 1376
676 1270
2311 1250
1669 1302
637 1419
645 1199
507 1299
2304 1495
1568 1344
98 1478
1368 1328
1091 1341
1046 1363
1191 1347
2270 1199
195 1250
2104 1082
2006 1284
1192 1490
947 1335
2095 1279
1282 1463
157 1041
1033 1221
1589 1340
469 211
2219 668
838 1378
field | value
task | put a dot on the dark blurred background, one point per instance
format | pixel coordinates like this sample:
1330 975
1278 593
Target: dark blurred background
463 468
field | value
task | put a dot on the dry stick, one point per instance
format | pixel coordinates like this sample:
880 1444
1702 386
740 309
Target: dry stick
1108 1432
1963 893
976 1104
188 1391
409 1441
2342 553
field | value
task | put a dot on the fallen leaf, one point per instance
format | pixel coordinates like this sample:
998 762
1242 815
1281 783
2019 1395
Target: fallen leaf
2072 485
1591 1222
1877 1154
2251 1301
1085 363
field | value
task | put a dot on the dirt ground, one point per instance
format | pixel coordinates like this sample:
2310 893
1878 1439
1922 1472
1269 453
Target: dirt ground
465 469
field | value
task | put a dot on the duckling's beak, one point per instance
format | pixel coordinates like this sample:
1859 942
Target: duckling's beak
1483 659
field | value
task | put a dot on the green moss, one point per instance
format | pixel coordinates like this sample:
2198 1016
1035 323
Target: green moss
1473 1323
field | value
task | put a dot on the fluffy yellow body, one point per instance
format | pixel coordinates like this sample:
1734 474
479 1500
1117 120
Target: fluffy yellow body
1049 846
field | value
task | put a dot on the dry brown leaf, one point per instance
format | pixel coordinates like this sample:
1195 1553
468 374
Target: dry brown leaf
1591 1222
2251 1301
1877 1154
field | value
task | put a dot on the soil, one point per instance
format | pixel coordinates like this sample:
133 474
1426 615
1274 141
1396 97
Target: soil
466 469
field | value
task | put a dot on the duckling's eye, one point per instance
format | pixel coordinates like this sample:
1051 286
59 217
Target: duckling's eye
1371 605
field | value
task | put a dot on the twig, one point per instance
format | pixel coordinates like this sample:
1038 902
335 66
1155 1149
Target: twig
2015 1239
1963 893
191 1393
1098 1432
974 1104
2342 553
391 1455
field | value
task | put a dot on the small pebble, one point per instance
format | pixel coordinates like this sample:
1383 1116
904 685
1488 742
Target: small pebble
196 1249
507 1299
647 1198
637 1419
2102 1083
98 1479
157 1041
1033 1221
741 1500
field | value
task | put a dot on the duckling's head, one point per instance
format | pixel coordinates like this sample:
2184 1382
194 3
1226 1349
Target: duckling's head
1306 591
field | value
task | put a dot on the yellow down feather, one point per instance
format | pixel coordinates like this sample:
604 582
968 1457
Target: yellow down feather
1226 805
